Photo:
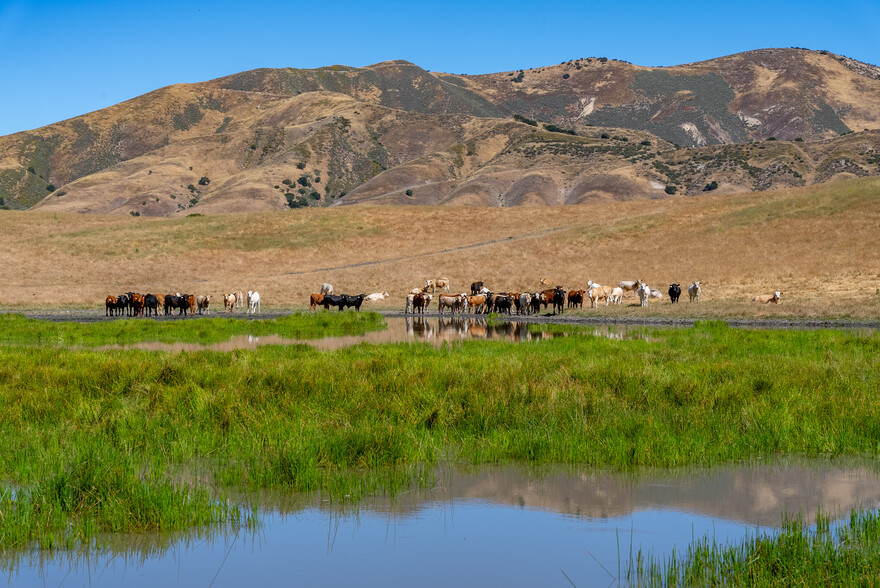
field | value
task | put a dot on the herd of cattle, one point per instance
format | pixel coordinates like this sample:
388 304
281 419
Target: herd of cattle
481 300
134 304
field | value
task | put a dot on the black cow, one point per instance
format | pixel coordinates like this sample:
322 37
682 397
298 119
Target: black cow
502 303
476 287
151 304
558 299
536 302
332 300
172 302
674 293
351 300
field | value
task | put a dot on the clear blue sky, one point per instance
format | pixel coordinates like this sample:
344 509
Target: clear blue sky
60 59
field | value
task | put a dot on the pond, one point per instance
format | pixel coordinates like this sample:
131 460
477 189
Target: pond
511 526
435 330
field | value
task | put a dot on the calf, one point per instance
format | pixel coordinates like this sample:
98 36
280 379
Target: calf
616 296
476 287
674 293
768 298
694 291
229 302
535 305
576 299
376 297
315 300
110 305
525 303
203 302
253 302
558 300
644 293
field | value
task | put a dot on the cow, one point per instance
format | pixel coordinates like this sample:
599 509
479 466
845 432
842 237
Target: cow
629 285
190 303
229 302
768 298
558 300
450 302
576 299
417 290
151 304
315 300
477 302
616 296
514 296
353 301
525 303
674 293
376 297
442 283
136 304
547 296
173 301
326 288
332 300
202 303
418 303
694 291
502 303
110 305
655 293
476 287
536 303
239 300
427 300
644 293
545 282
253 302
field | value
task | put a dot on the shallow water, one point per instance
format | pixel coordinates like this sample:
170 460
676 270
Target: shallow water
509 526
435 330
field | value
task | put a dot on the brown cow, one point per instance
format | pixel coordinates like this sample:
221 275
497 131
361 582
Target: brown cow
315 301
576 299
137 304
477 303
110 303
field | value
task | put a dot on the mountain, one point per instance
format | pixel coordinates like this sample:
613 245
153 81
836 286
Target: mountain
396 133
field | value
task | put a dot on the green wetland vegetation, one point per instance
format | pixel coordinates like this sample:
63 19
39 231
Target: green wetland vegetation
90 438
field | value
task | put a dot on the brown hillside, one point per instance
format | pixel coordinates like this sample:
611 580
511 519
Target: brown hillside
395 133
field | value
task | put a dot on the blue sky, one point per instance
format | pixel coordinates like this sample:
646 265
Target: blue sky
60 59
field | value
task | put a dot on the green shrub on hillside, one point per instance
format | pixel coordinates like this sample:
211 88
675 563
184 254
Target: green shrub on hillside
670 189
522 119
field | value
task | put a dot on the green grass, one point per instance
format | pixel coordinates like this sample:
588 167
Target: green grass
844 555
371 419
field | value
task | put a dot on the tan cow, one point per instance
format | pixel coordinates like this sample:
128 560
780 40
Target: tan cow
768 298
315 301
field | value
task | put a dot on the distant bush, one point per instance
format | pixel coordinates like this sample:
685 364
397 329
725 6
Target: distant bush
523 119
771 138
565 76
204 181
191 188
294 201
518 78
253 146
409 192
554 129
605 136
710 186
193 201
799 140
300 165
646 143
670 189
303 181
287 182
603 59
314 195
317 179
134 213
2 202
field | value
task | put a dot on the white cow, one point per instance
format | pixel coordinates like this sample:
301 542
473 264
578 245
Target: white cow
629 286
239 299
525 302
326 288
655 293
376 297
644 293
616 295
253 302
229 302
768 298
694 291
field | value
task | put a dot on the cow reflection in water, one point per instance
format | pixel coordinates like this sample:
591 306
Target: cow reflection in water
419 327
458 328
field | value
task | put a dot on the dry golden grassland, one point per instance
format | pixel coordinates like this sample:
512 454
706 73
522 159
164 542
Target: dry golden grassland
819 245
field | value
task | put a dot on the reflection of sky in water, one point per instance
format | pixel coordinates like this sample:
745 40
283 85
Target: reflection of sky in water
465 544
510 526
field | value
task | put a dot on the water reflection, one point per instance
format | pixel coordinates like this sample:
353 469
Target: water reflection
515 526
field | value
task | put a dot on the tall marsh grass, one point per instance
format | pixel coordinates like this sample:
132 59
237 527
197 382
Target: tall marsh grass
372 418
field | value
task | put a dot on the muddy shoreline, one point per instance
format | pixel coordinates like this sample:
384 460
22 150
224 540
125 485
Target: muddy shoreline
94 316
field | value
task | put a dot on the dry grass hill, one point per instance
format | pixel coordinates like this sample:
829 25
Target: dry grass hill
585 130
818 244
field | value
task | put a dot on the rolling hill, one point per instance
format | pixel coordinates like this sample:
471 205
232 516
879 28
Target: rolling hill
394 133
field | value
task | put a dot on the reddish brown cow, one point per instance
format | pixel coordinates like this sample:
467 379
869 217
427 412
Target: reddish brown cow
137 304
418 303
111 303
576 298
315 301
